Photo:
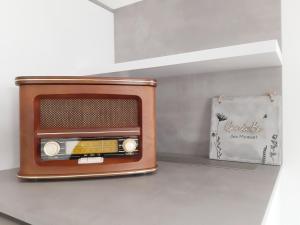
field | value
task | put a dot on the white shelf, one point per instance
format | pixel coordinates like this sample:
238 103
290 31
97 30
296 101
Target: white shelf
236 57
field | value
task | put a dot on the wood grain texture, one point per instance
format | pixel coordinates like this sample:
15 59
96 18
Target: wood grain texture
32 166
84 80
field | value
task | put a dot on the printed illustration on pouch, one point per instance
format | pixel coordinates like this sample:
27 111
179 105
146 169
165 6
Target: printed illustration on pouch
247 137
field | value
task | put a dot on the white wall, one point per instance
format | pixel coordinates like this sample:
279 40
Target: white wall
290 182
287 194
46 37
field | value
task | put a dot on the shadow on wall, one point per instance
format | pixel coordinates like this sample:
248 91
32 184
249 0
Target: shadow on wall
184 105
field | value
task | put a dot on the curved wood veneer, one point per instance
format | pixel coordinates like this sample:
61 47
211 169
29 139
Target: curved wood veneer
31 90
22 80
77 176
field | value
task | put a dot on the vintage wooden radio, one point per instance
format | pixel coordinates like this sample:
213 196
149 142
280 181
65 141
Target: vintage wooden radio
86 126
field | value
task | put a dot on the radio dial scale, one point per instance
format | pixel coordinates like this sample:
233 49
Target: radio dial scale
85 149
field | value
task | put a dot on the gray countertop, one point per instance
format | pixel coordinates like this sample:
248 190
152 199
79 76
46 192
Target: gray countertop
200 193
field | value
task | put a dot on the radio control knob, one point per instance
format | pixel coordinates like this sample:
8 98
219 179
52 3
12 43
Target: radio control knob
129 145
51 148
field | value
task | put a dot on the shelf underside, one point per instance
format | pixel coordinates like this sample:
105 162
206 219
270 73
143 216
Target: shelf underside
206 192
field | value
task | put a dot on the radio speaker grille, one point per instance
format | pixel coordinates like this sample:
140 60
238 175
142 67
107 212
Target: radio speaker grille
88 113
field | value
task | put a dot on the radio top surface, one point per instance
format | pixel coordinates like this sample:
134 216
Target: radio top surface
23 80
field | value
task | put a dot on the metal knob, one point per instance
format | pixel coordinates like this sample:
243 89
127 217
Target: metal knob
51 148
129 145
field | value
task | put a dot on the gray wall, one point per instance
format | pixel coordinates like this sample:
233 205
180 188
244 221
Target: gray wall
160 27
184 105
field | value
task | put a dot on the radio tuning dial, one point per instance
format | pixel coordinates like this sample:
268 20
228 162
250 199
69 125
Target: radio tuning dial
51 148
129 145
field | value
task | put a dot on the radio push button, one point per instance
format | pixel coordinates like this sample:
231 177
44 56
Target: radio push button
129 145
51 148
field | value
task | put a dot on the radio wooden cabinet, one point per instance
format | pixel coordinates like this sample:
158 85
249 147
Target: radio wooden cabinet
72 126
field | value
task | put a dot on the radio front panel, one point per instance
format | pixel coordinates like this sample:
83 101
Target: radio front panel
77 115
